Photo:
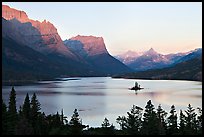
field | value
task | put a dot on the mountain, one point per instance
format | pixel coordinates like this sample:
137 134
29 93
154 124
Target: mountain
128 57
186 70
92 51
23 63
41 36
33 50
191 54
153 60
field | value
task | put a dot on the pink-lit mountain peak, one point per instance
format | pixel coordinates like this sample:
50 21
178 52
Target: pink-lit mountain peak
89 39
92 45
151 51
52 42
10 13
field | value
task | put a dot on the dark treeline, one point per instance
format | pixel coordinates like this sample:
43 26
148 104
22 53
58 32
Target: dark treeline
29 120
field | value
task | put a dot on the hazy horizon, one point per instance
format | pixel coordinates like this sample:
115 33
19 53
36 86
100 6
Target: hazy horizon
137 26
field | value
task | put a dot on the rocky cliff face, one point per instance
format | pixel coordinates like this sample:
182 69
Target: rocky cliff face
41 36
10 13
92 51
92 45
26 39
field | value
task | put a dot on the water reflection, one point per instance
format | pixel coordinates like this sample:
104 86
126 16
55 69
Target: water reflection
99 97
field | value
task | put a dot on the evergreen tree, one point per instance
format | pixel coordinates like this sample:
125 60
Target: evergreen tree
172 122
191 121
26 107
35 112
63 118
12 112
122 121
23 127
107 128
134 120
162 125
76 124
4 118
105 123
200 123
150 121
182 124
35 107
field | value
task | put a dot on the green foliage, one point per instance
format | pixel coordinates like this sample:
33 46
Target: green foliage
4 118
122 121
105 123
172 122
107 128
162 123
35 106
182 124
75 123
26 107
150 120
12 112
200 122
23 127
191 121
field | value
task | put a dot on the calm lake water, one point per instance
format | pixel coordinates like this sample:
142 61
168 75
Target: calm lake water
100 97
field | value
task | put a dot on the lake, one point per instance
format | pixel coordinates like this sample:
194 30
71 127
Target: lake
100 97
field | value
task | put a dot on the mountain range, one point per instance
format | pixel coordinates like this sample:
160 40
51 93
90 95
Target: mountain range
35 50
186 70
141 61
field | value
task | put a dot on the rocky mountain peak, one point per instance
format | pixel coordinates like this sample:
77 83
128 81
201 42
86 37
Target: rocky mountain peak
92 45
10 13
45 37
151 51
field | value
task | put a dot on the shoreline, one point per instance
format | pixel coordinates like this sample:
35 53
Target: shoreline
157 79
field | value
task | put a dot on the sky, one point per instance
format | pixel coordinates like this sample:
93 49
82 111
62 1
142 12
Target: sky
167 27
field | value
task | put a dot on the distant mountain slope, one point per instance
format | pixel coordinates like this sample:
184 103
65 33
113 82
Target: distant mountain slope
187 70
151 59
34 50
92 51
23 63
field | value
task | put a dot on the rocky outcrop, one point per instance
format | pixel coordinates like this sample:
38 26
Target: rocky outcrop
92 45
92 51
41 36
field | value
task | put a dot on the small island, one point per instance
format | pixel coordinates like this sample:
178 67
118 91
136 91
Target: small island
136 87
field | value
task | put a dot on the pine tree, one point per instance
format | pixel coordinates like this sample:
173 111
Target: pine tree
4 118
191 121
122 121
162 125
12 112
150 121
182 124
35 107
200 123
63 118
107 128
76 124
134 120
35 113
105 123
26 107
23 127
172 122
